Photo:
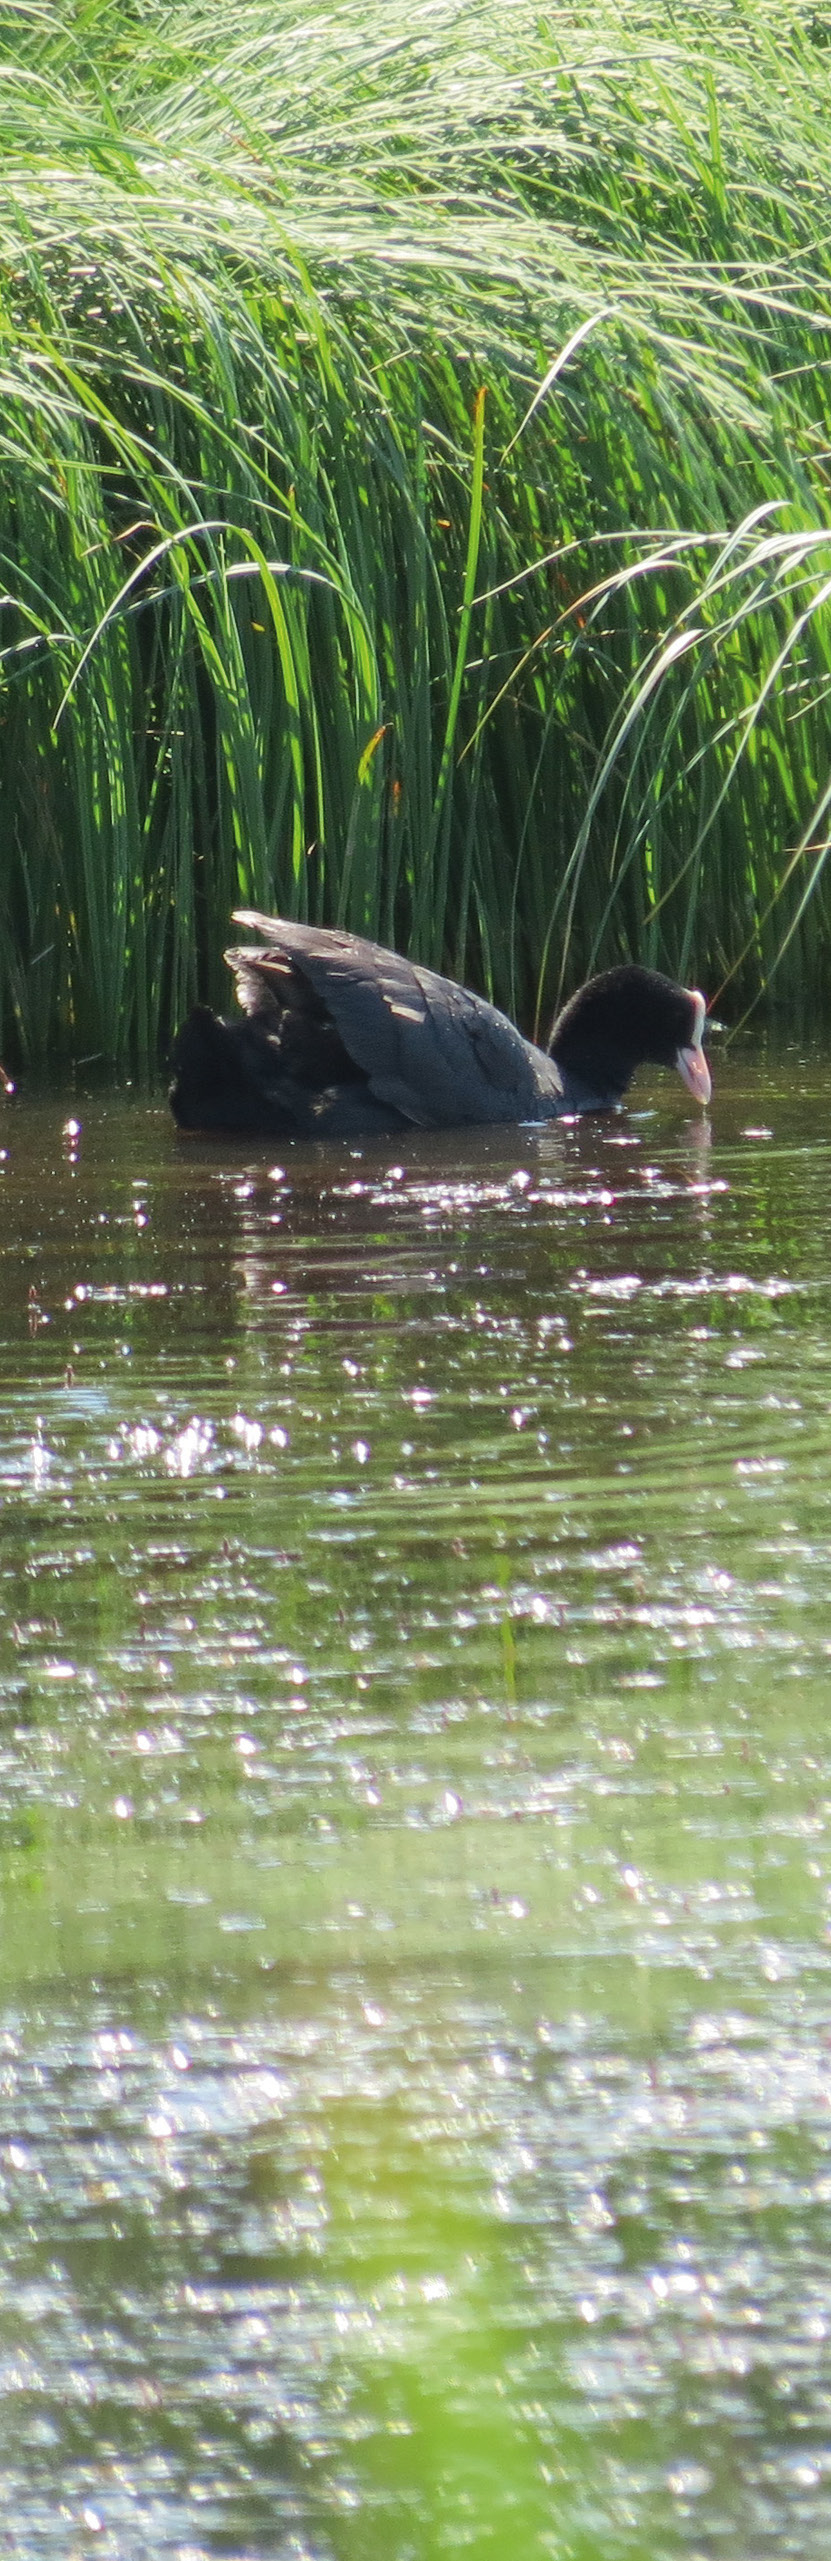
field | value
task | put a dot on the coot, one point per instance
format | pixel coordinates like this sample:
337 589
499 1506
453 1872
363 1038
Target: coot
341 1039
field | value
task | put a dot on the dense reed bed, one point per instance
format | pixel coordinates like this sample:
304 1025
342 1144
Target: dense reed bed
414 442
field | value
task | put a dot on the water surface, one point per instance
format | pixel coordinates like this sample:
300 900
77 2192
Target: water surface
415 2080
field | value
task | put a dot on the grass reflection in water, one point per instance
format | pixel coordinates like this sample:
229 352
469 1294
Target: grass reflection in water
414 2087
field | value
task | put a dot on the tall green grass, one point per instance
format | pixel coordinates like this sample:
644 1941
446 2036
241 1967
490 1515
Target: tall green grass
414 495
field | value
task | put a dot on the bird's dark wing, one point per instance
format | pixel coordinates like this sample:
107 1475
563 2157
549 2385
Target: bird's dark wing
432 1050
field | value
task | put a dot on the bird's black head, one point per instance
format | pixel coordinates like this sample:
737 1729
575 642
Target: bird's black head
627 1018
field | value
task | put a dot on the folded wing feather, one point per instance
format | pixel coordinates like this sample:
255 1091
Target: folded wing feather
433 1050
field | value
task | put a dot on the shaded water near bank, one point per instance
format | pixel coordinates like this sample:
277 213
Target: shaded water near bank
415 1999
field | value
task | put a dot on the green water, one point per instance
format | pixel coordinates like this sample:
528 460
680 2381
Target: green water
415 1973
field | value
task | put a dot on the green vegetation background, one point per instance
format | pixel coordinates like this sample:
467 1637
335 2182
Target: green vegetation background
414 496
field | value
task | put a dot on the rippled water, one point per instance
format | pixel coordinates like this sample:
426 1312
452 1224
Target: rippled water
415 2071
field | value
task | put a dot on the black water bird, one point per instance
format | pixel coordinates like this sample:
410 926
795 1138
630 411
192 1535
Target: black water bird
341 1039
